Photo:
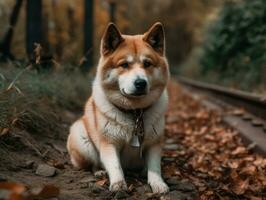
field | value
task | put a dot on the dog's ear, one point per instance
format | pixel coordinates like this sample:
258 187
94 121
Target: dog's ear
155 38
111 39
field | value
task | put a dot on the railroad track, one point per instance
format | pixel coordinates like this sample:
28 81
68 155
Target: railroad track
249 110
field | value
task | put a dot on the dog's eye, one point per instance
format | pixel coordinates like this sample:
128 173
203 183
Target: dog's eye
125 65
147 63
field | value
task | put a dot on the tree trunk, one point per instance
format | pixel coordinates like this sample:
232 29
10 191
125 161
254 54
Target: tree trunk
72 22
5 46
59 44
88 36
33 26
112 11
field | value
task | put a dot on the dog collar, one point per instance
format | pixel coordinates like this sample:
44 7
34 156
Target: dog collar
138 130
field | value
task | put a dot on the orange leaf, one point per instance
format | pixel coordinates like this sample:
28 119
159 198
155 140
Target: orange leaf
101 182
250 170
48 191
13 187
241 186
58 164
15 196
4 131
239 150
255 198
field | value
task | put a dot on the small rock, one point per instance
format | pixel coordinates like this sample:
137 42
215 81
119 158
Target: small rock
100 173
257 122
144 189
121 195
247 117
95 188
170 141
238 112
45 170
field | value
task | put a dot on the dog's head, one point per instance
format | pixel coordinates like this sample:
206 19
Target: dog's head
133 69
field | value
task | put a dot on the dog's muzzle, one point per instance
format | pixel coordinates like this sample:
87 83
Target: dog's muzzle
140 87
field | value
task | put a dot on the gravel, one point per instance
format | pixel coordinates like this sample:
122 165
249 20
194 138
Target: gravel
45 170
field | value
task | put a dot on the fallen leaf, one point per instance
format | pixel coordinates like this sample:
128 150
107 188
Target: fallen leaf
131 188
241 186
255 198
239 150
15 196
47 191
57 164
102 182
238 112
13 187
4 131
250 170
21 192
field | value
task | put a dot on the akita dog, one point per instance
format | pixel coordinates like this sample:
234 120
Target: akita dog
123 122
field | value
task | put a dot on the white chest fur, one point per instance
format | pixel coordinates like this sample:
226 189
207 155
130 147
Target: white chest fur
118 125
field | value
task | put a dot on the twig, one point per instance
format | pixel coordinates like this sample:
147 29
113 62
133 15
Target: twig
16 78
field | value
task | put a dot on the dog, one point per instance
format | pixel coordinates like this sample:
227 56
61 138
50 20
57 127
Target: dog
123 123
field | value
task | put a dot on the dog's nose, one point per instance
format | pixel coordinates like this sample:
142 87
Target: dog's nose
140 84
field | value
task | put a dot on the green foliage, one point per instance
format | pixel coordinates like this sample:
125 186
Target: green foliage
37 102
235 46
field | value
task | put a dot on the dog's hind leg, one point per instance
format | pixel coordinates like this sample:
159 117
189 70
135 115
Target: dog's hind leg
82 152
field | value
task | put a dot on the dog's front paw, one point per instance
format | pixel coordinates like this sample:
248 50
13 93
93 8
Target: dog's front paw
159 187
117 186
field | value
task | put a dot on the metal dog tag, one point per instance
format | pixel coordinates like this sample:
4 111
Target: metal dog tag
135 141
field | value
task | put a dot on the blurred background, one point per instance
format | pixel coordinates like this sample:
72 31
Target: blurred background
63 24
46 44
49 51
221 41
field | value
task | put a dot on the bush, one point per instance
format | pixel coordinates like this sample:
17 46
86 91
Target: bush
235 46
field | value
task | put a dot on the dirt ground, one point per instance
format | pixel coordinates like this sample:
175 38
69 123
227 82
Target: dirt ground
202 159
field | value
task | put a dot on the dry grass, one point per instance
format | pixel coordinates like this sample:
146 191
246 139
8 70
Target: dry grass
35 102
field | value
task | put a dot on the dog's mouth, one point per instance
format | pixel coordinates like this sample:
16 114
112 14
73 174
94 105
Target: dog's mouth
134 95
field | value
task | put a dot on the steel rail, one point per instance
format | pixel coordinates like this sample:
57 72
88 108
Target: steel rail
252 103
251 124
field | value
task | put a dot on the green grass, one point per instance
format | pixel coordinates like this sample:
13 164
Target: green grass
36 102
